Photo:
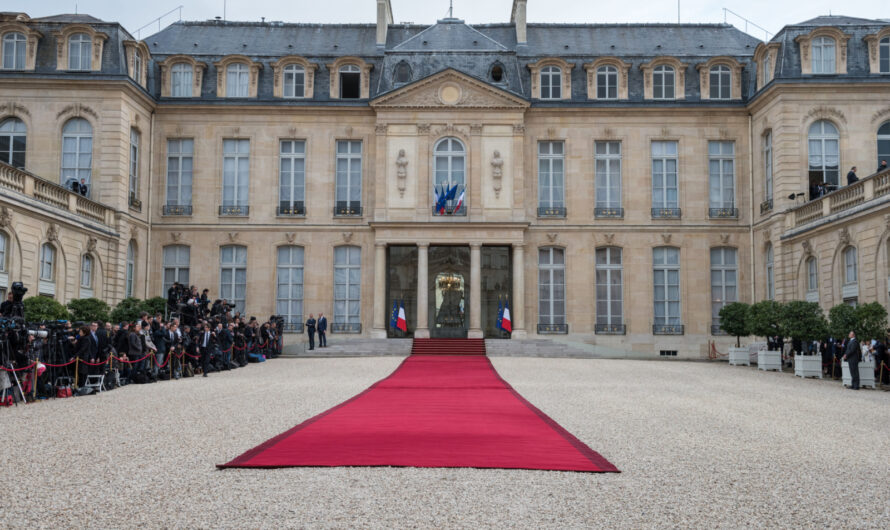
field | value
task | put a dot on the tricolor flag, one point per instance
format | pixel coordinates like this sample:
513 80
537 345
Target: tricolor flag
401 323
506 324
500 318
440 196
394 316
460 198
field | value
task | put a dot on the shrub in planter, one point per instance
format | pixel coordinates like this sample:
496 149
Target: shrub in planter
871 321
127 310
764 319
734 320
154 305
803 321
89 309
39 308
843 320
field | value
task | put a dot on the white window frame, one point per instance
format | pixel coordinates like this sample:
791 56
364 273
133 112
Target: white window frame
137 66
294 85
289 286
812 275
4 251
664 82
551 168
884 56
237 80
80 51
234 267
350 69
551 82
131 270
86 271
608 168
884 137
291 173
663 158
768 164
82 140
135 138
825 140
609 274
48 262
14 48
607 82
349 173
236 178
181 80
177 261
663 285
720 85
767 69
13 129
347 290
551 307
770 274
851 262
180 167
721 178
724 280
823 51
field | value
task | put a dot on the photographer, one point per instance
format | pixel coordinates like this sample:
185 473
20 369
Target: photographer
226 340
6 306
160 338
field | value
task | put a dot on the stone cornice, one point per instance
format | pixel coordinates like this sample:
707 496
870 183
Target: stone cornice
473 94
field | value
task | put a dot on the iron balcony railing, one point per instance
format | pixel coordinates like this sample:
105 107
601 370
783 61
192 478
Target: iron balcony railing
608 213
666 213
234 211
295 209
174 209
610 329
716 329
667 329
723 213
553 329
348 209
766 206
552 211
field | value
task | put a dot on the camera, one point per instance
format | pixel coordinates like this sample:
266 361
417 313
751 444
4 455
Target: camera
38 333
18 291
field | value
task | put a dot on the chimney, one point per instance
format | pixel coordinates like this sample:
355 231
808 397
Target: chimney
518 17
384 19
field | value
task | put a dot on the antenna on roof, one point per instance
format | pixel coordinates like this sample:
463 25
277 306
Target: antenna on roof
450 8
678 11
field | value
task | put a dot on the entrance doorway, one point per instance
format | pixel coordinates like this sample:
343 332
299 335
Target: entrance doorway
449 291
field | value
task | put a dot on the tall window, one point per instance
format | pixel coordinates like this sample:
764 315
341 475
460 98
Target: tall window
294 81
724 280
179 171
79 51
850 261
13 135
290 285
131 269
666 262
812 276
237 80
350 82
665 193
86 271
14 51
607 156
349 176
606 82
770 279
609 299
47 262
721 175
551 286
134 163
181 80
137 66
721 82
177 259
292 177
77 151
551 82
883 143
4 246
347 285
449 162
233 275
884 56
767 69
768 165
551 175
663 82
824 156
823 55
236 172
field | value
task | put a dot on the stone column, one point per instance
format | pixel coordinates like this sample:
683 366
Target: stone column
379 327
475 291
517 304
422 331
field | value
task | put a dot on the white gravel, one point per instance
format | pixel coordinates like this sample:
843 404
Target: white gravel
699 445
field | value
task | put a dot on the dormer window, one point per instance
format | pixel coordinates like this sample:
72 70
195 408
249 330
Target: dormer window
79 50
14 51
403 73
137 66
181 80
663 82
294 81
721 82
497 73
823 55
237 80
767 69
884 54
350 82
607 82
551 86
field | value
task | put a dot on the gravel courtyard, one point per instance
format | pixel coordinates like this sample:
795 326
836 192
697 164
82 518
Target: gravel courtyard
699 445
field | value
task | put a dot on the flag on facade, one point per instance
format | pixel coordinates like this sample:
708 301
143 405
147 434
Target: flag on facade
506 323
500 318
402 322
394 317
460 198
440 194
452 193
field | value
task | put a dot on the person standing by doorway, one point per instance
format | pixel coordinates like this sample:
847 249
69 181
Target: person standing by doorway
310 330
322 330
852 355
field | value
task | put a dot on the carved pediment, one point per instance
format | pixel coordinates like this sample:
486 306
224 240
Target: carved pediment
450 89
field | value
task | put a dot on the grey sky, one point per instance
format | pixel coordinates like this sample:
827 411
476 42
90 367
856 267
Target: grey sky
766 13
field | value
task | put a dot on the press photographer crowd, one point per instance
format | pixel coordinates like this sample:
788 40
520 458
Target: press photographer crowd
62 358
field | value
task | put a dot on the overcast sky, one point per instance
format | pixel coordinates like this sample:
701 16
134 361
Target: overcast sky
765 13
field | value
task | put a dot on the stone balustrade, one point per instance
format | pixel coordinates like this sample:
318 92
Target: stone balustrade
856 194
47 192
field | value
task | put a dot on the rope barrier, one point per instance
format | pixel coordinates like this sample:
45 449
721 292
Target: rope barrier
32 365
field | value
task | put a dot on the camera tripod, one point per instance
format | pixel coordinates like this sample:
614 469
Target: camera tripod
18 384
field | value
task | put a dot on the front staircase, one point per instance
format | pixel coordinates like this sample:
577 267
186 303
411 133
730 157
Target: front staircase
448 347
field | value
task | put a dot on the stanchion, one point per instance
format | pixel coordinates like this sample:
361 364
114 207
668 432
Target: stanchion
76 367
34 381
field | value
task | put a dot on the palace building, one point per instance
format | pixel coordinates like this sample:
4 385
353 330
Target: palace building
616 184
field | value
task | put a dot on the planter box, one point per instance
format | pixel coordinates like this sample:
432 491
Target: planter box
808 366
739 356
866 374
769 360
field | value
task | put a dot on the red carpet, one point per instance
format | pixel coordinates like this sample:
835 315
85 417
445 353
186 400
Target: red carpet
433 411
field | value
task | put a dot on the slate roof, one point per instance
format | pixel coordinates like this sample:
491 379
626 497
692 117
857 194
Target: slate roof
836 20
70 19
449 35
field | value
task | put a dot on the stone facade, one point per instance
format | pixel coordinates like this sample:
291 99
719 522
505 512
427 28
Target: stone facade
236 98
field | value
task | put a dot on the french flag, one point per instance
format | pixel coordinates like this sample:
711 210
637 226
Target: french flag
506 324
402 323
460 199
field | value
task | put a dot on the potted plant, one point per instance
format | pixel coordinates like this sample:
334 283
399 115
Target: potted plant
804 322
764 320
869 322
734 321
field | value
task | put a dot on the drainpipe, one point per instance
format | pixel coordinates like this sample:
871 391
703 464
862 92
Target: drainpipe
151 159
751 187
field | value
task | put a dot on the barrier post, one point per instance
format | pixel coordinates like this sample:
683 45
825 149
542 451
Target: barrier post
76 367
34 381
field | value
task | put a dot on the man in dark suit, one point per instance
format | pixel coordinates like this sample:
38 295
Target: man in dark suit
852 353
851 176
162 342
6 306
310 330
206 343
226 339
882 166
322 329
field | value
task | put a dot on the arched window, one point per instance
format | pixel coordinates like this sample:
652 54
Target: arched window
551 82
86 271
48 262
181 80
824 155
721 82
770 280
403 73
4 251
812 275
823 55
666 269
137 66
663 82
79 51
449 163
177 259
13 135
767 69
77 152
609 288
350 82
884 146
884 56
724 281
294 81
14 44
347 288
289 292
551 286
131 269
237 80
850 262
607 82
233 275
